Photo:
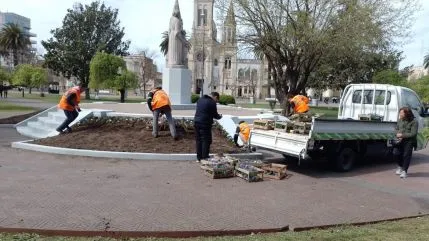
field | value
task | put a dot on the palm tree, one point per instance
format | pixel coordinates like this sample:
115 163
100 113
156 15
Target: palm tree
14 39
426 61
164 42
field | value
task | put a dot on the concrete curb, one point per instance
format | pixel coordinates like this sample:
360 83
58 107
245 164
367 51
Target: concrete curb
120 155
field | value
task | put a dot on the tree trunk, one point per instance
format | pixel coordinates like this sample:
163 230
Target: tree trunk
87 95
29 90
144 90
122 91
15 58
22 92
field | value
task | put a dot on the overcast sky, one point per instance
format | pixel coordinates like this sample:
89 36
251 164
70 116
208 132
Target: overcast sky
145 20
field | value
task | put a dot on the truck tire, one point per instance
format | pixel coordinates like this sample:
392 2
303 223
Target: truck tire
345 160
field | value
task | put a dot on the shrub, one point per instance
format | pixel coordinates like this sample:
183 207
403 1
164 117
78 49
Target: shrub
195 98
226 99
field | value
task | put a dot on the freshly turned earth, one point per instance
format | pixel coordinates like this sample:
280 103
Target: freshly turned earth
18 118
133 135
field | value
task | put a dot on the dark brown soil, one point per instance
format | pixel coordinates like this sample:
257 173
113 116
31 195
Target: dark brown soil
18 118
133 135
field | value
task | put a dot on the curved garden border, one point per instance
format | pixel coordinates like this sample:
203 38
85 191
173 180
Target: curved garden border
121 155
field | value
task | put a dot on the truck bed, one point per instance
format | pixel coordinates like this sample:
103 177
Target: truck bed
322 130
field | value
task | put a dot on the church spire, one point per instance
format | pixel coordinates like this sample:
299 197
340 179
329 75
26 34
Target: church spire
230 16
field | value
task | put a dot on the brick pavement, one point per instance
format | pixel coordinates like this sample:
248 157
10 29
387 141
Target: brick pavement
45 191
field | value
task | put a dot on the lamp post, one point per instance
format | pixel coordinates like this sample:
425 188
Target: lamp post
203 58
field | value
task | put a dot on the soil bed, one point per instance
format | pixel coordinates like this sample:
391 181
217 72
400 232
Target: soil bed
18 118
134 135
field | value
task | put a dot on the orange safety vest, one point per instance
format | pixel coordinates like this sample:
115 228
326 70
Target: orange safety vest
301 104
160 99
245 131
63 102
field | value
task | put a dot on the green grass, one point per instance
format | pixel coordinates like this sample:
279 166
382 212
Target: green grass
55 98
4 106
416 229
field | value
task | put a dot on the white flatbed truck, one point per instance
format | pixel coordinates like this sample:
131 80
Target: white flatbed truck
344 139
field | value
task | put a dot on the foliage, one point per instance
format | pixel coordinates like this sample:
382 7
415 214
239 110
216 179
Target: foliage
307 36
86 30
165 39
226 99
29 76
4 75
389 76
126 80
104 70
426 61
14 39
426 132
421 87
23 75
39 77
195 98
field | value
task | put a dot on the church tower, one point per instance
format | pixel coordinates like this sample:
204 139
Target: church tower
229 53
202 56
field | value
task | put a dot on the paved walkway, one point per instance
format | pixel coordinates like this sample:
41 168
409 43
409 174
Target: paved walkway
45 191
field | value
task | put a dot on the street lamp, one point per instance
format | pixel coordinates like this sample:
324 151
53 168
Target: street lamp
203 58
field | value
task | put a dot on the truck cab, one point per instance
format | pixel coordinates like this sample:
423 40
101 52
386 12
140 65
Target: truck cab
381 100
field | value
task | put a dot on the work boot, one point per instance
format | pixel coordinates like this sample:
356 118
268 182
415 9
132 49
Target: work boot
403 174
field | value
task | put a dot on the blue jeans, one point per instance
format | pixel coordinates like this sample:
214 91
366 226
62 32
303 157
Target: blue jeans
167 111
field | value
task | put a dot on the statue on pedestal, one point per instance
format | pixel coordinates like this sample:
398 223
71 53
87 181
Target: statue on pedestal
177 43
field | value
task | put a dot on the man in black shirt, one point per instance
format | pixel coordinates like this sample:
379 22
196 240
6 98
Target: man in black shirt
203 121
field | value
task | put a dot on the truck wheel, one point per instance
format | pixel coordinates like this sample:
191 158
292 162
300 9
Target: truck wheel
345 160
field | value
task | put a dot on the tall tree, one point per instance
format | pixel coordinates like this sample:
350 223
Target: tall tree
13 39
22 76
148 69
296 35
86 30
109 71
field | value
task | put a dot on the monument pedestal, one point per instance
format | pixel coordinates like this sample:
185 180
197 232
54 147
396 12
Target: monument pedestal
177 83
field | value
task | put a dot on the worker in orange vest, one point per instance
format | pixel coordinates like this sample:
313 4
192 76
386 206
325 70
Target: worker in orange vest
69 102
242 131
299 104
159 103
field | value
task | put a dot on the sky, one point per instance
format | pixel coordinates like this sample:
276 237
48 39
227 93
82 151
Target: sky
145 20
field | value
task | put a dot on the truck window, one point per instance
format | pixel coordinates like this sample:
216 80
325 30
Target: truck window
357 97
411 100
367 96
379 97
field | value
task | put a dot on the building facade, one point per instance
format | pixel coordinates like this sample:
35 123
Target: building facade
25 24
215 65
146 70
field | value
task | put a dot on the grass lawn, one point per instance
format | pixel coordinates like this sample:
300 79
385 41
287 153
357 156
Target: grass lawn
55 98
4 106
416 229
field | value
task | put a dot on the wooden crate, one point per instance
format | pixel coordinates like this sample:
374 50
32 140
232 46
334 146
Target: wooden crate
249 173
263 124
218 171
274 171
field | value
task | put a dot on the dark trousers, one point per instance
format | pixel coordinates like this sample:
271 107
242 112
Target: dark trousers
70 117
203 138
403 153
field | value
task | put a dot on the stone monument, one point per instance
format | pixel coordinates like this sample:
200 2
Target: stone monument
176 78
